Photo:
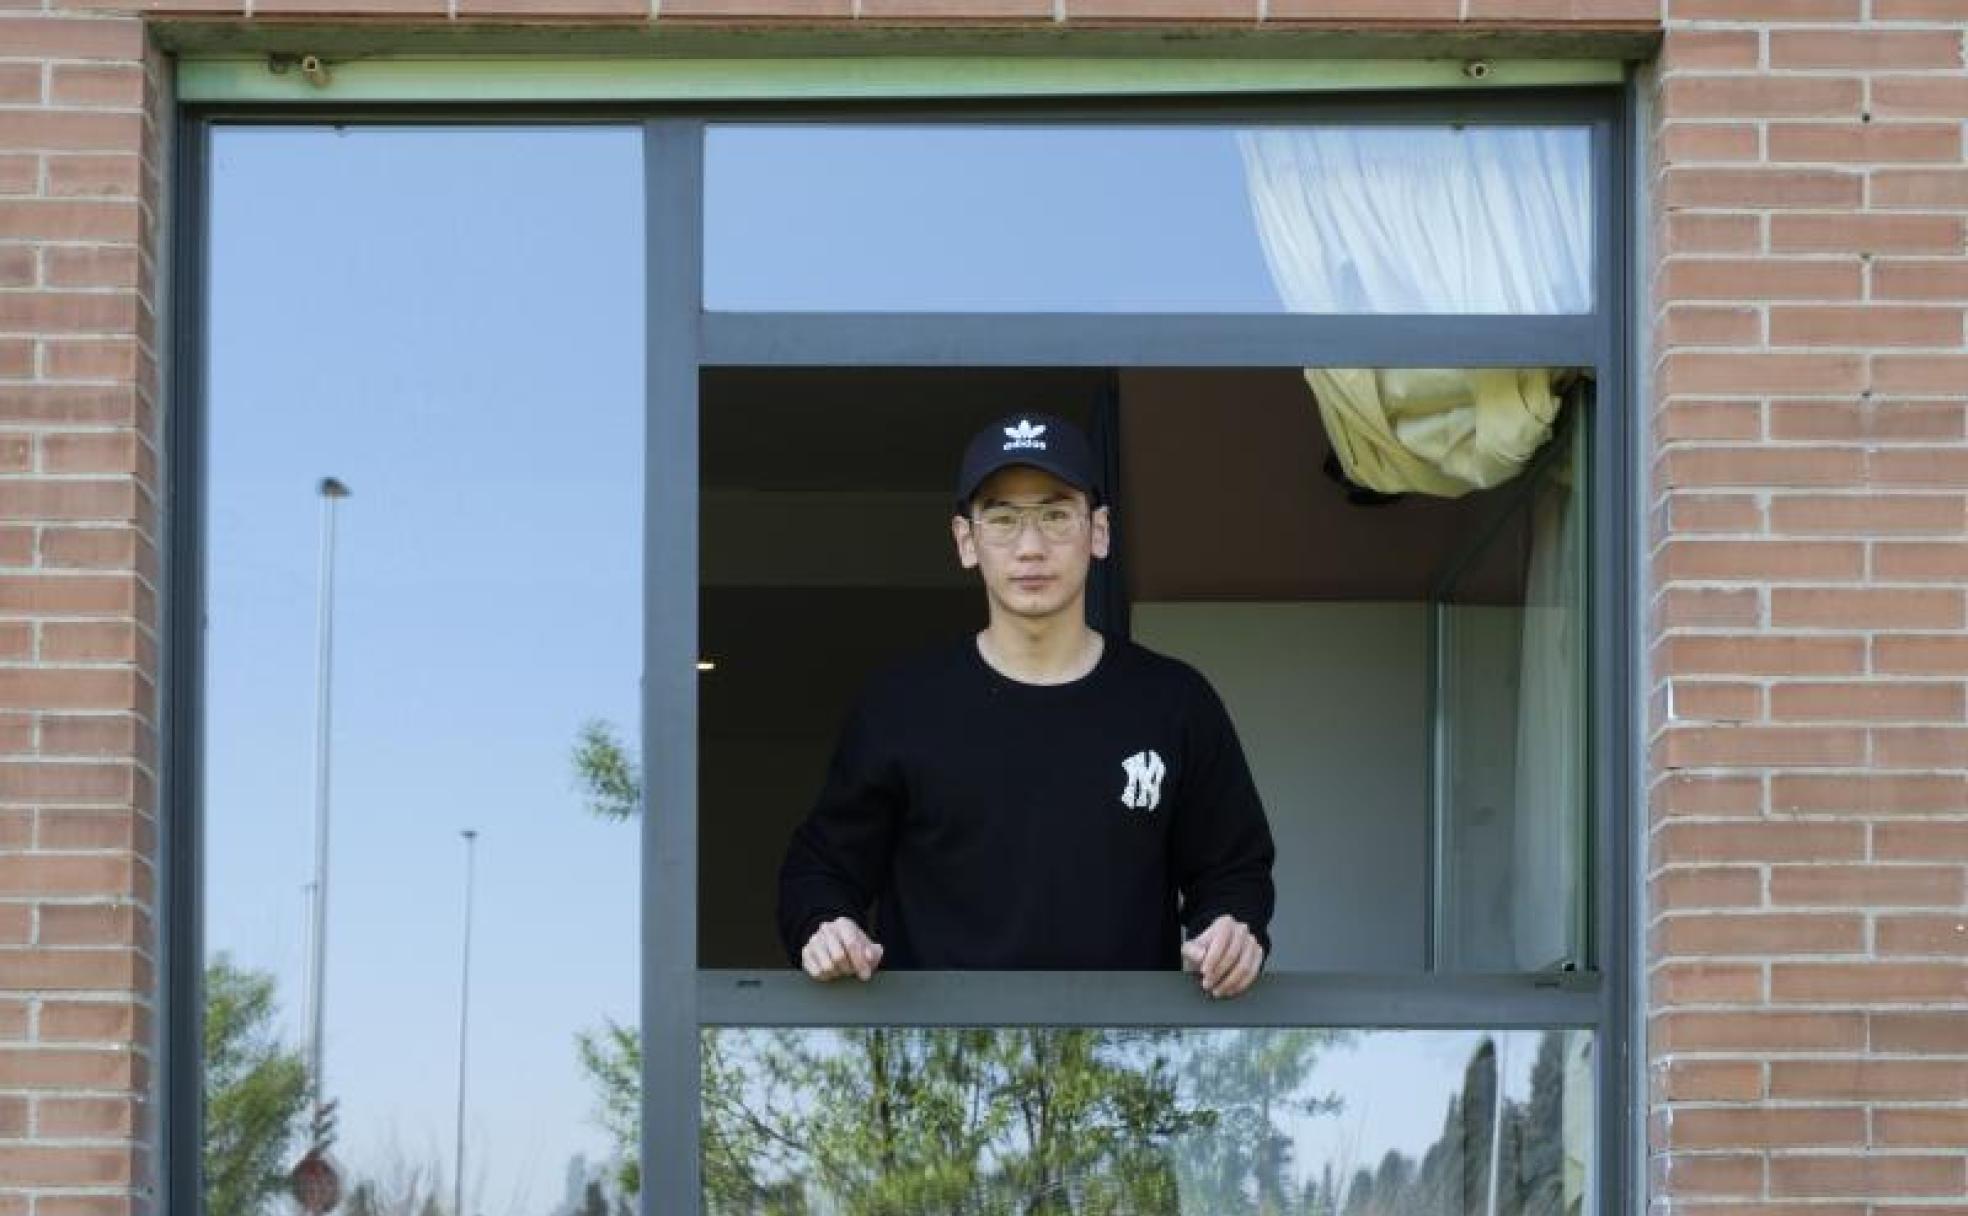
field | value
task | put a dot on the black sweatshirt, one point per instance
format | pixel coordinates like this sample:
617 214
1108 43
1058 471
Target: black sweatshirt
996 825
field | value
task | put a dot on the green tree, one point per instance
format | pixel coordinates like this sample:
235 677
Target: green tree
612 1059
255 1092
604 772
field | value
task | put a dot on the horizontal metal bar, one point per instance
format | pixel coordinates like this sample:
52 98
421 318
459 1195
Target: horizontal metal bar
756 339
1147 998
889 76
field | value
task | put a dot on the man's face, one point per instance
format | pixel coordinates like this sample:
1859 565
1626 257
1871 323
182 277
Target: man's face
1029 573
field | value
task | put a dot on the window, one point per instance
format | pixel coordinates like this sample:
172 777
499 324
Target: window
1418 638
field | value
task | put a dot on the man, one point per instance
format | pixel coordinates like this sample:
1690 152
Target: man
1039 796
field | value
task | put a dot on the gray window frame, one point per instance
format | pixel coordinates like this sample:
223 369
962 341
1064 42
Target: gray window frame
678 998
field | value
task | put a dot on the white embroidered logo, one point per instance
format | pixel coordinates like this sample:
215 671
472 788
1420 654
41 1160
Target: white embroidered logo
1023 434
1144 781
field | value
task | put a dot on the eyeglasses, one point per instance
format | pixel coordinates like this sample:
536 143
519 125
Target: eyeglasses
1003 524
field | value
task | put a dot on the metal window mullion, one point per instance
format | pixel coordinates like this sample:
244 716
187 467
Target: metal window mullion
672 235
1148 998
849 339
180 843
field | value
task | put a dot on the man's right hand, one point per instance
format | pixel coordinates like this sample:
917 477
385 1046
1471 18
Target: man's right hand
839 948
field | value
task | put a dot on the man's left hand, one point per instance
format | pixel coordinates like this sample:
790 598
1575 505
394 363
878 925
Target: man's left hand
1227 954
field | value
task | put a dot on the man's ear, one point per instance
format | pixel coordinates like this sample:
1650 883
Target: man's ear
1102 537
966 542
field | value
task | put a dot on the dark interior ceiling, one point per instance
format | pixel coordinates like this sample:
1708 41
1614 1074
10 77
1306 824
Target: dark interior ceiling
1221 498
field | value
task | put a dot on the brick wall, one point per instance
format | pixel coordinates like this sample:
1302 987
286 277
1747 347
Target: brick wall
1808 563
1809 958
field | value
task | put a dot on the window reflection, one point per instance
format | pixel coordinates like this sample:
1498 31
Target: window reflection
965 218
1290 1122
385 310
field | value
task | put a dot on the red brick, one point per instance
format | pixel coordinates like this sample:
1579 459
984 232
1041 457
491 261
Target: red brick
1754 280
1699 232
1927 188
1708 887
1911 279
95 176
1706 983
1847 701
92 1021
90 265
1871 420
98 86
109 405
1712 325
40 874
1892 1080
1872 983
1924 655
1707 372
1870 325
1926 840
1768 841
108 499
1869 143
1762 467
66 783
1712 1081
1696 419
1680 607
109 734
1713 513
1868 793
1920 10
1711 143
1746 96
92 970
91 925
1867 886
69 219
87 1118
1715 701
68 594
1919 96
1922 466
1923 935
1761 1030
1728 746
1897 50
1708 795
20 83
1866 1176
91 829
1920 1126
1865 608
1936 747
66 1165
1728 934
1925 1033
1709 1128
1685 49
1775 188
1921 374
1713 1174
74 38
1759 654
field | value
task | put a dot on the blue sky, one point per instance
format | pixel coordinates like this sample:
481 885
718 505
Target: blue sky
452 323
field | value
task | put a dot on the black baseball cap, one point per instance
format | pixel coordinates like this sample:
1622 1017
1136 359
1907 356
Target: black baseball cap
1041 441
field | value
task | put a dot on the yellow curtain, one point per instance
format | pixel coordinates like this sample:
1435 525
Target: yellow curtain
1443 432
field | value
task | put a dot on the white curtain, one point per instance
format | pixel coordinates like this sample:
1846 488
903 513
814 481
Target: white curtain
1493 220
1427 220
1546 837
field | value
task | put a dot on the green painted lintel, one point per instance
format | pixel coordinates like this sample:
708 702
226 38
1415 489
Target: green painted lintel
465 79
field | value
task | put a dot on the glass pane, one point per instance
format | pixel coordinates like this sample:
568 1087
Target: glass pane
1098 1122
1415 219
450 323
1241 550
1510 787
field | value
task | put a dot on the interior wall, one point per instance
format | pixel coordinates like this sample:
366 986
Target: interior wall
1330 701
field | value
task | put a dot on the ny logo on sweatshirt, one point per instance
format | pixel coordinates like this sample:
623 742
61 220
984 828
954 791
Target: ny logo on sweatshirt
1144 781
